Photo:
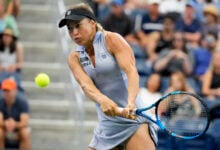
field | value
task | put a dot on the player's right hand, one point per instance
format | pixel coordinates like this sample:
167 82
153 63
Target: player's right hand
109 107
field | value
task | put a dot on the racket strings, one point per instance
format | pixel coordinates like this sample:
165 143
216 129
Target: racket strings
183 114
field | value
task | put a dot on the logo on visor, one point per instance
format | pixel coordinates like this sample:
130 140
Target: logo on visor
68 13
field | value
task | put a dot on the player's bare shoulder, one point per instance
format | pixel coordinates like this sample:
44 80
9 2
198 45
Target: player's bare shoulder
73 58
112 36
114 41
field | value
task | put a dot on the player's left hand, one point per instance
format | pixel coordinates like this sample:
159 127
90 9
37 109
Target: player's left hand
130 108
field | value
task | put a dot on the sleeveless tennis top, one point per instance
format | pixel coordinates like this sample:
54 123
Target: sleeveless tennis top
112 82
106 75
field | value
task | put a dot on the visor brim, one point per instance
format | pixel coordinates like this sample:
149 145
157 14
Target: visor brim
72 17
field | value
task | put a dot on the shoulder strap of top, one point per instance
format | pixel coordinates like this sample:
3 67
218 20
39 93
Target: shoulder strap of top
80 48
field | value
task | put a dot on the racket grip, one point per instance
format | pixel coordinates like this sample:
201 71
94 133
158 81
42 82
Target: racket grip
124 112
121 110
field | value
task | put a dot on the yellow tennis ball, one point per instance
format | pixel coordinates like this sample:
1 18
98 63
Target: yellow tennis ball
42 80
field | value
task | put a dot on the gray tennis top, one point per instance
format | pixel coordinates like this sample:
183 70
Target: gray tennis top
111 81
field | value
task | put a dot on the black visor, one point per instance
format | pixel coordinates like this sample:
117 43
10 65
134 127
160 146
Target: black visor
76 15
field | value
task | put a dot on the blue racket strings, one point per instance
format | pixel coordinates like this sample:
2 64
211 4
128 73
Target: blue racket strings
183 115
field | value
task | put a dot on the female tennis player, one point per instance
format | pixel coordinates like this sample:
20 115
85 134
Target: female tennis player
104 66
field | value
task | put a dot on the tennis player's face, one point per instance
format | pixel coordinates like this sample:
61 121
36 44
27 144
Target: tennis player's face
80 31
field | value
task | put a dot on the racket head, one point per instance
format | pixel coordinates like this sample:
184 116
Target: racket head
182 114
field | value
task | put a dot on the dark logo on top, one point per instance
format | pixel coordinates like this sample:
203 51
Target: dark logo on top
84 61
103 56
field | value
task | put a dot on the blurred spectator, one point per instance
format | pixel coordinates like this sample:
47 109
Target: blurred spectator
172 6
12 7
11 56
174 59
101 1
151 92
166 36
150 26
7 21
203 55
152 20
201 4
131 5
135 9
211 80
210 19
190 25
206 1
198 6
14 116
100 8
178 82
117 21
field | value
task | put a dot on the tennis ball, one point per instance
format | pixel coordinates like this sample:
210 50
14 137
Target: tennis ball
42 80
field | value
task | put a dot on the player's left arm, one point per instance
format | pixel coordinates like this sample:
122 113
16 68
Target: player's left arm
125 58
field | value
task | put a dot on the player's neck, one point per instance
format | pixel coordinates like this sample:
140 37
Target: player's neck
90 50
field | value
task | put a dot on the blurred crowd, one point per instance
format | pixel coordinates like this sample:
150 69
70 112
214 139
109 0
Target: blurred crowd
175 42
11 51
14 108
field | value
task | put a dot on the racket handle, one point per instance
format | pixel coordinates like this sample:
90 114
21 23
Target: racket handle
122 111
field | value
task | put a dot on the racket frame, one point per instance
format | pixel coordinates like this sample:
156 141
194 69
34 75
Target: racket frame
157 121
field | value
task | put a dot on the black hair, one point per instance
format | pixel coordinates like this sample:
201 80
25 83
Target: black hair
172 16
12 46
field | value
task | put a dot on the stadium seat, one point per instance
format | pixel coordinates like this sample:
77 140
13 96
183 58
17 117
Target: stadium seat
164 84
213 130
217 143
165 141
205 142
195 86
138 51
214 126
211 104
142 68
143 80
215 112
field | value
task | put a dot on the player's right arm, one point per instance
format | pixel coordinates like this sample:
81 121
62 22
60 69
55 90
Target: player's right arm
107 105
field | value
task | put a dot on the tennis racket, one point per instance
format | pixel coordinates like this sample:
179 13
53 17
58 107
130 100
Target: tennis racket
180 114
